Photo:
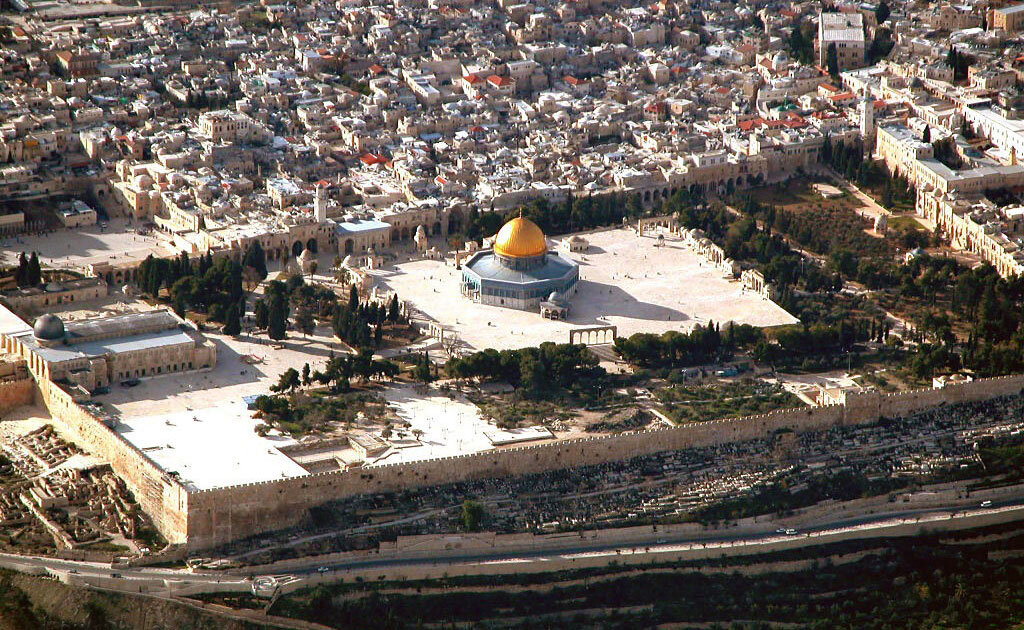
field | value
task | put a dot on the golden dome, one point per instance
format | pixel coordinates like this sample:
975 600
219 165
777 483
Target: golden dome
520 238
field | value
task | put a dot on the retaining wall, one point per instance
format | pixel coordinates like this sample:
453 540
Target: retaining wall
208 518
222 515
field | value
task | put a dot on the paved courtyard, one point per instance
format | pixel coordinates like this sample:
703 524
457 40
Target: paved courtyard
80 246
624 280
232 378
448 426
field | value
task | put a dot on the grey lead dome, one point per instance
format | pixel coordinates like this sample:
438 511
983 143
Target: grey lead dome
48 327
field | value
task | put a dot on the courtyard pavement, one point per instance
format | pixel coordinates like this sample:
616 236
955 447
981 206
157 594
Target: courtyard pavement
625 280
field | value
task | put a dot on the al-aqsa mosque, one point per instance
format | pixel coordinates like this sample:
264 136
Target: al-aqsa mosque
520 272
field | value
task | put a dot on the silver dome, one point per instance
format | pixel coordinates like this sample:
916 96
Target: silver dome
48 327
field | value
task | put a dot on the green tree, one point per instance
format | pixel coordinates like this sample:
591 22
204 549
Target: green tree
832 61
422 372
306 376
353 298
287 382
472 514
882 12
304 321
262 313
887 195
277 320
35 272
21 273
926 136
256 258
393 309
233 321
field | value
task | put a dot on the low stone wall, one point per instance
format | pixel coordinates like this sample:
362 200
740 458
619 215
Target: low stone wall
642 558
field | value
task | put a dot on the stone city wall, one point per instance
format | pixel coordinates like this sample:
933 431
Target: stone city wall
16 393
222 515
163 498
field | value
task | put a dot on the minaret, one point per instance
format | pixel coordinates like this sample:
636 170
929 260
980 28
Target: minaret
320 202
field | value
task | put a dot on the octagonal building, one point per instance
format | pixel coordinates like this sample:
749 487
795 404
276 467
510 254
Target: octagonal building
519 271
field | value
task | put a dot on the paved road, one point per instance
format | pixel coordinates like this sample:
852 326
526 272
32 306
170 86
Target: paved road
661 542
650 543
103 569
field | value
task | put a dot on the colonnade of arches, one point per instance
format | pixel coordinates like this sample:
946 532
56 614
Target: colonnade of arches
654 195
592 336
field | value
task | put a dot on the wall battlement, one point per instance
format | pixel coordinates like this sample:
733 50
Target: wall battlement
207 518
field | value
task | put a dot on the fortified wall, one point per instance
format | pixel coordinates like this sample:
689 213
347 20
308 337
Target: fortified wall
226 514
214 517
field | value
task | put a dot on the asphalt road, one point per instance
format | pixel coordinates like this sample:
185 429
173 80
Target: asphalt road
651 543
660 542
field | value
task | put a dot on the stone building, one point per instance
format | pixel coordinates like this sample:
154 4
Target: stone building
40 299
93 353
1010 19
846 31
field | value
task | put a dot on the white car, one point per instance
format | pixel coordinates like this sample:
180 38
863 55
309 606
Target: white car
986 504
322 570
791 532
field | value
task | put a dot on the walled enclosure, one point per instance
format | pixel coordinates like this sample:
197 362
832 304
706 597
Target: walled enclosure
208 518
222 515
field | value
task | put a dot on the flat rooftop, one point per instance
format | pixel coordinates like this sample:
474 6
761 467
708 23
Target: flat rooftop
211 447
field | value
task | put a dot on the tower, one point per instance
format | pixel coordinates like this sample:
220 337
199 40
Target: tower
320 202
866 108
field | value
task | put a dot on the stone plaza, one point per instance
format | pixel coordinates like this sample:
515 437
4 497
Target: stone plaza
638 284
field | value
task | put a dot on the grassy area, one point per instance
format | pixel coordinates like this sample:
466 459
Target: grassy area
510 411
904 221
798 195
701 403
315 411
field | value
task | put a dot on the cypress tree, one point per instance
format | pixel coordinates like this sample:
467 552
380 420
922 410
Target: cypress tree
232 321
35 271
277 326
21 273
